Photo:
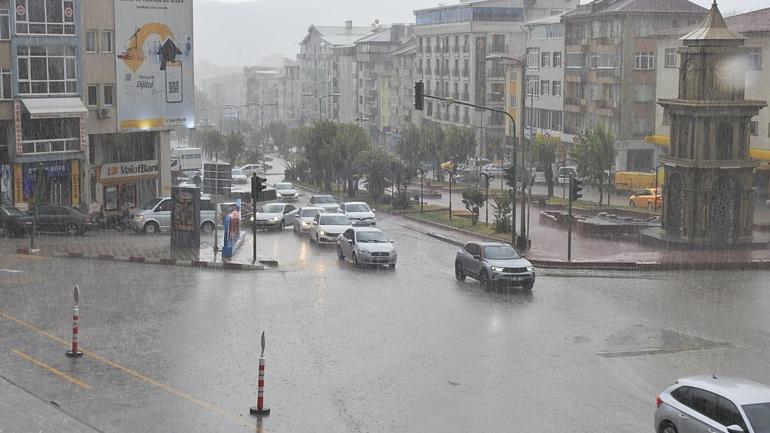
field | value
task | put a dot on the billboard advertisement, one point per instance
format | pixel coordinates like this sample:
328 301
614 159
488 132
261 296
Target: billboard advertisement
155 64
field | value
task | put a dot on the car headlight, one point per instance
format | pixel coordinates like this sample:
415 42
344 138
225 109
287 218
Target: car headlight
139 217
498 269
275 218
305 223
363 251
531 268
322 233
251 219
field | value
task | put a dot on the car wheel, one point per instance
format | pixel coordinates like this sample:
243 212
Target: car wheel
631 203
339 253
207 228
283 225
72 229
151 228
459 273
355 260
668 427
528 286
296 228
392 266
486 283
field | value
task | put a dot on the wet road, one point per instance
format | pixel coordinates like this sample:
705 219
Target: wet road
354 350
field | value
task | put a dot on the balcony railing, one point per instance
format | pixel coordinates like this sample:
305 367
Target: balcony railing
575 72
571 100
608 104
608 72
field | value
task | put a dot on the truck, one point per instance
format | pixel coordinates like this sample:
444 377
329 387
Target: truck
186 159
630 181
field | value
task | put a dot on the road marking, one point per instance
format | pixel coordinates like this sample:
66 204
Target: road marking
133 373
55 371
11 271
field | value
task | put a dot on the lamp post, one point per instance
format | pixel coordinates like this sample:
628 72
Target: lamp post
450 191
320 99
486 197
422 178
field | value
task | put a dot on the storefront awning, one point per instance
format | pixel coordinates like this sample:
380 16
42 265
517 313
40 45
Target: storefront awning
660 140
44 108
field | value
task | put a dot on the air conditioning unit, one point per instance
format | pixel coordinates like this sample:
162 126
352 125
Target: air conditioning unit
105 112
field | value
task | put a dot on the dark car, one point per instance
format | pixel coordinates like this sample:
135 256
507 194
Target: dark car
494 263
14 222
55 218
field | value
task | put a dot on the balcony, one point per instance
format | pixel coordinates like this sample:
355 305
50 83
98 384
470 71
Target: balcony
466 73
466 48
615 40
455 73
466 97
610 105
608 72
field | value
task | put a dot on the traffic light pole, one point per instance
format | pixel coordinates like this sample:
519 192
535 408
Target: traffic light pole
257 185
569 227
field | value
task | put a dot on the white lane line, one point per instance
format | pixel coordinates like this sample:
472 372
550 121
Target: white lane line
12 271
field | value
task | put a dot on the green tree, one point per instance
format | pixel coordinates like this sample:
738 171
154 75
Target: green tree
460 143
502 213
279 132
234 146
377 165
348 148
434 147
318 153
410 146
473 199
544 152
594 152
211 141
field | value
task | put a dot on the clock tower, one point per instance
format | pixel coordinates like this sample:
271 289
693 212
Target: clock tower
707 199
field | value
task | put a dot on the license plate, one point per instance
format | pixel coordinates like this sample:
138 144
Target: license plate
517 278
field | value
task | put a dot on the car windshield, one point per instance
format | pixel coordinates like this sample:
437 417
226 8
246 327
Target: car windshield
371 237
322 199
308 213
236 172
334 220
284 185
151 204
272 208
759 416
500 252
357 207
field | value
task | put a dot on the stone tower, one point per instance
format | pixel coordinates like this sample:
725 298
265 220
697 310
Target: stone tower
707 199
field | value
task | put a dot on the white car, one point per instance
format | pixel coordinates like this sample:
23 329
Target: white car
303 218
326 227
359 213
285 191
366 246
273 216
248 169
239 182
327 202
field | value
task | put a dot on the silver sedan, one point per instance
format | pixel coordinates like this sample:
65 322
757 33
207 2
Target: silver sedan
366 246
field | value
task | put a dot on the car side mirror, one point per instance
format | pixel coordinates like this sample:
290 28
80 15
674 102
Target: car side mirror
392 241
477 257
735 428
374 210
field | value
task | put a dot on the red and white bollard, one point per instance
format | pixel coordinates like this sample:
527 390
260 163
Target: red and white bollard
261 409
74 352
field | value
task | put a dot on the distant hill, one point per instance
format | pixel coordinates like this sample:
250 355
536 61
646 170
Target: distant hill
240 34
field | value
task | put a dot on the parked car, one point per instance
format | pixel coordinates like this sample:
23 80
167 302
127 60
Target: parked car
366 246
327 202
57 218
303 218
494 263
155 216
285 191
707 404
565 173
273 216
14 222
327 227
240 181
648 197
248 169
359 213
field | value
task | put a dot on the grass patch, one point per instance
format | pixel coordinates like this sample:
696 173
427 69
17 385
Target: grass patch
583 204
462 220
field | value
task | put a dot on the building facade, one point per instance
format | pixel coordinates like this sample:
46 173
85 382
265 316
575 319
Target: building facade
610 71
453 43
401 88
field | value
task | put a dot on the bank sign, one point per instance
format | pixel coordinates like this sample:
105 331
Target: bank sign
154 39
126 170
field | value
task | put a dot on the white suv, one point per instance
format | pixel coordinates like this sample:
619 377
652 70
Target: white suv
359 213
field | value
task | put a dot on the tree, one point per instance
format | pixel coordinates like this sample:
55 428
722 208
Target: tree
502 213
411 144
279 132
434 147
234 147
377 164
211 141
544 152
318 152
350 144
460 143
473 199
594 152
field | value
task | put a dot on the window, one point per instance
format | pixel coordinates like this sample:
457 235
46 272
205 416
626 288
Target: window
473 249
604 60
5 84
533 58
533 84
545 60
645 60
672 58
554 31
755 58
556 59
90 41
52 17
754 127
46 70
556 120
108 94
106 41
556 88
545 87
575 60
5 24
93 95
498 43
643 92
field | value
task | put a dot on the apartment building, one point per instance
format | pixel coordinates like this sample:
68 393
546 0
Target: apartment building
610 71
374 65
401 88
273 91
90 91
327 72
755 28
453 43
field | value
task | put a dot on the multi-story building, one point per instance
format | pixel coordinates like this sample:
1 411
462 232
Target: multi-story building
374 65
755 28
223 94
327 72
273 93
88 98
453 43
610 71
289 98
401 87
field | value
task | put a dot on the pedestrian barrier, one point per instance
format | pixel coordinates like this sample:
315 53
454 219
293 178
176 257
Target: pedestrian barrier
74 352
261 409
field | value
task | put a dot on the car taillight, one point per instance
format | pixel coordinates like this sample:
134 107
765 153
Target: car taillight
658 401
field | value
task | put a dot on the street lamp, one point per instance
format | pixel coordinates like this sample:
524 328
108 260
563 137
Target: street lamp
486 196
422 178
450 172
320 98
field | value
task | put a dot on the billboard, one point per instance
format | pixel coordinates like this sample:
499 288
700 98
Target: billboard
155 64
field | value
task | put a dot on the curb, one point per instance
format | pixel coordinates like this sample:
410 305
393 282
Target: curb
229 266
454 229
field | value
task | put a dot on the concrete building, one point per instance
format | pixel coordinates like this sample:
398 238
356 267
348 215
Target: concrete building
60 105
610 69
327 72
223 93
755 28
401 87
452 45
273 92
374 65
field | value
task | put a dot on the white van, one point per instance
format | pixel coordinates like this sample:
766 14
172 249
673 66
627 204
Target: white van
155 216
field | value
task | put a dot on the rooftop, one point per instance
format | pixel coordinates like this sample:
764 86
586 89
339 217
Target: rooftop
713 27
601 7
339 35
751 22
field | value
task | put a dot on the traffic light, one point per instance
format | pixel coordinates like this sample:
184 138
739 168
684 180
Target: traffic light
257 186
419 95
575 188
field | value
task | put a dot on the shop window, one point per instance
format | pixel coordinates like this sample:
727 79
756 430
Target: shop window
52 17
50 135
